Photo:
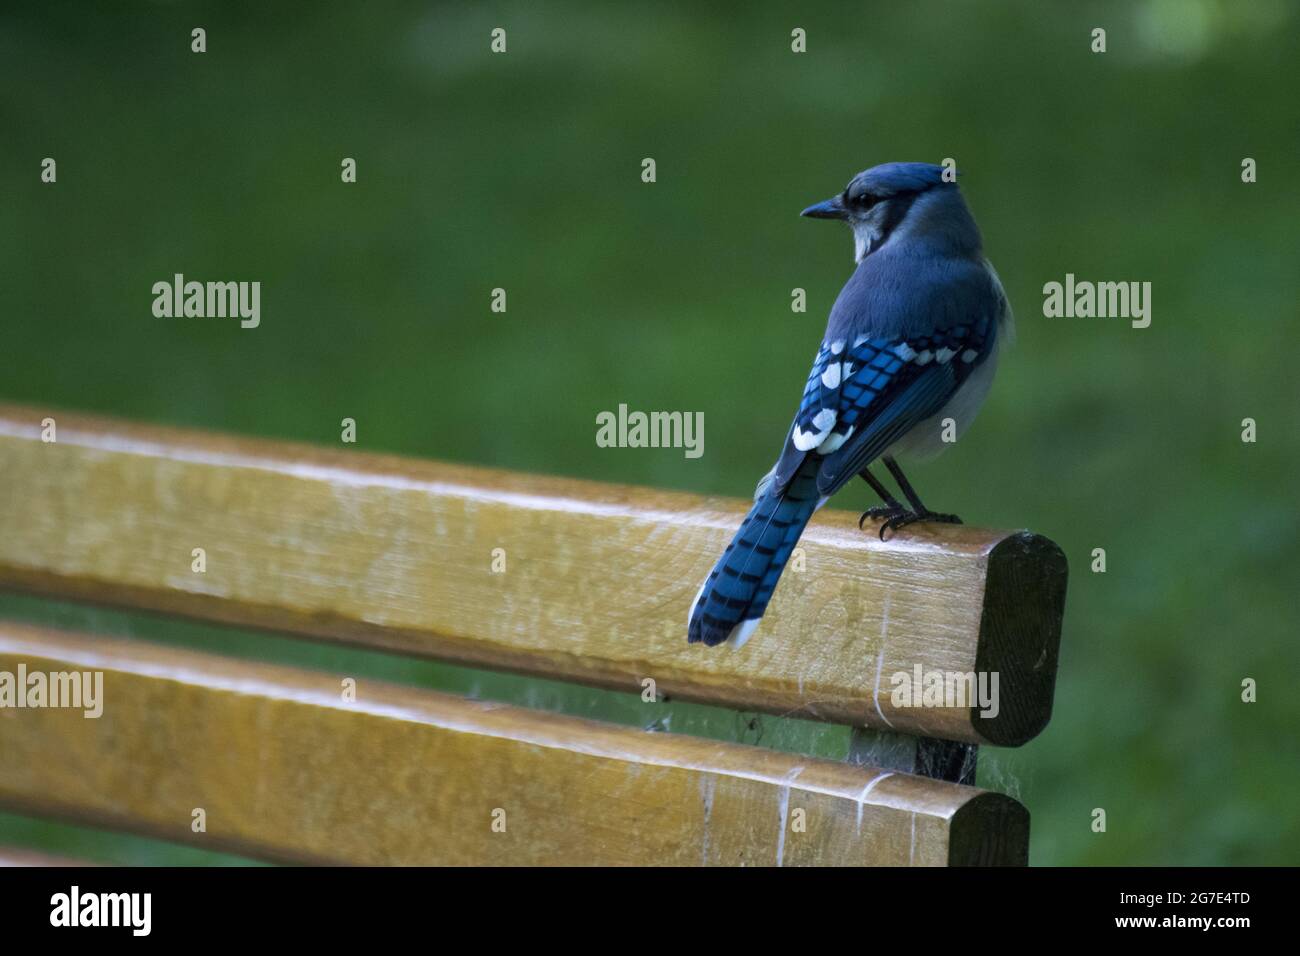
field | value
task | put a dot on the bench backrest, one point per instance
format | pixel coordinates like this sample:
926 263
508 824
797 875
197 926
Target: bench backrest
565 579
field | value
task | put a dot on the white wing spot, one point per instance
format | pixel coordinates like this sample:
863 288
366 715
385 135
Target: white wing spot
823 422
905 352
834 441
805 441
944 354
837 346
969 356
924 357
831 377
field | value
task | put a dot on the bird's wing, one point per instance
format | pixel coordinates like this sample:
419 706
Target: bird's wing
811 405
864 395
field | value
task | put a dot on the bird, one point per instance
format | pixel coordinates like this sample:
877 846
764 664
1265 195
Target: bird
912 341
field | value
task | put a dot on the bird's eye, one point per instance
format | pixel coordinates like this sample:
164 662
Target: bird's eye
860 198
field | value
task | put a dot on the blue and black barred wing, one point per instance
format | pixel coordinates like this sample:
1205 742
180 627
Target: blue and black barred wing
863 396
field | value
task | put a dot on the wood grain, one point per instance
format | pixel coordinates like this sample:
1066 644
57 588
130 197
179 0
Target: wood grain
284 768
398 554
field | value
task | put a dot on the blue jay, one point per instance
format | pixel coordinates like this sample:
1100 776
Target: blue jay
912 340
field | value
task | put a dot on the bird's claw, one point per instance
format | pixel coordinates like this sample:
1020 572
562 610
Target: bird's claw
899 517
880 511
891 514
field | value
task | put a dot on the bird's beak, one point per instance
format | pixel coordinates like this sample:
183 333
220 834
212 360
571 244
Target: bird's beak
832 208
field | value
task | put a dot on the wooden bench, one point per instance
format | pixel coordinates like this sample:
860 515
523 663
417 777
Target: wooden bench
571 580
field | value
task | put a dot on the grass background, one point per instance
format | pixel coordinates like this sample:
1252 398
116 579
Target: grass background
522 171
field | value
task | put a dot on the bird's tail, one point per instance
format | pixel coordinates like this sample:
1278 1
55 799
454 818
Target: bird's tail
736 592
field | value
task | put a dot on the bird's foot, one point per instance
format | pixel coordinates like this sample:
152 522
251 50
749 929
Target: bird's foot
882 511
896 516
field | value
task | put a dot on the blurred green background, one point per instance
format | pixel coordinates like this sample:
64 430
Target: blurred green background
522 171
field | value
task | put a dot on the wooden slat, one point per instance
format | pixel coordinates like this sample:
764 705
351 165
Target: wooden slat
20 856
284 768
398 554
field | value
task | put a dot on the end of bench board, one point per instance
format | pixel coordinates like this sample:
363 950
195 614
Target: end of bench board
284 768
1020 634
565 579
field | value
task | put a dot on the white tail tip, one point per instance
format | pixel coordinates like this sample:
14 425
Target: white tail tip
741 633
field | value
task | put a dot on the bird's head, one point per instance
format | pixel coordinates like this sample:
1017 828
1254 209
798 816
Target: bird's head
898 198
